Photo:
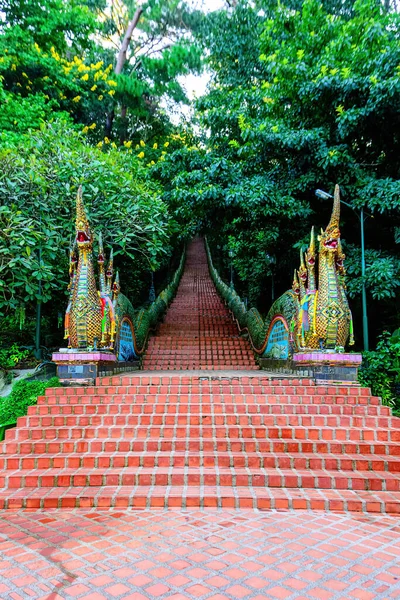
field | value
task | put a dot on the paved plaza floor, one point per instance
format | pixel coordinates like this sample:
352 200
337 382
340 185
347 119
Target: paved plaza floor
203 555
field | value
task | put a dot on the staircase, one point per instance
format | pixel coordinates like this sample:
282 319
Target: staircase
209 439
198 332
204 441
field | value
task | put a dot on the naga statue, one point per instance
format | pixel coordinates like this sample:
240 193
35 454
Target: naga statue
95 319
310 316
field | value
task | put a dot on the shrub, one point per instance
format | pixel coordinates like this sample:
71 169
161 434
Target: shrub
24 393
381 369
10 357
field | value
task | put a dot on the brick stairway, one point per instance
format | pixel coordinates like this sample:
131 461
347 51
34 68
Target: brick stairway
233 441
198 332
209 439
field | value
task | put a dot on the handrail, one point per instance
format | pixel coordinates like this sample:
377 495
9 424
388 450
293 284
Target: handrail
246 320
147 319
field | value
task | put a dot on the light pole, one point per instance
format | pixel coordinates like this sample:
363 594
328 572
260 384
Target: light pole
152 291
231 257
271 260
362 216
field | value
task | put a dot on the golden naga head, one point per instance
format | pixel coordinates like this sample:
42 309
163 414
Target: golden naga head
302 269
84 237
329 239
311 255
110 268
101 256
116 288
296 284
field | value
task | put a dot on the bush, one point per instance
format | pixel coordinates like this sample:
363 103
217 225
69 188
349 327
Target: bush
381 369
10 357
24 393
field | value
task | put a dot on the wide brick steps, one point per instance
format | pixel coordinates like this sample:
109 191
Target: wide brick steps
207 432
209 418
249 460
236 441
198 332
201 476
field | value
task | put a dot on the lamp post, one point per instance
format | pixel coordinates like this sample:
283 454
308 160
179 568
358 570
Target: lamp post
152 291
362 216
231 257
271 260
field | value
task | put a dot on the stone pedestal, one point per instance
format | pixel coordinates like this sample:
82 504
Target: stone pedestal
81 367
319 365
328 366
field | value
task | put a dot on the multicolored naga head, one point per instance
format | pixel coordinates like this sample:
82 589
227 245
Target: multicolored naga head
84 238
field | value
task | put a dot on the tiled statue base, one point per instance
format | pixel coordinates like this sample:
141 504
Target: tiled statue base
82 367
328 366
322 366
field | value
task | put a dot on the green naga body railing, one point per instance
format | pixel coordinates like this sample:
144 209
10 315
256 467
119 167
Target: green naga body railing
98 316
147 319
247 320
307 316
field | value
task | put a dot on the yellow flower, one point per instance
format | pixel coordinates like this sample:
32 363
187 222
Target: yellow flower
140 155
93 88
128 144
76 99
155 146
100 97
92 126
24 75
166 144
13 67
113 145
36 47
106 140
111 92
85 77
82 68
85 129
142 143
163 153
152 163
100 144
97 66
112 83
137 147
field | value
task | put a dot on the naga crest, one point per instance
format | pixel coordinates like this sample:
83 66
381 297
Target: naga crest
296 284
329 239
311 255
84 239
302 269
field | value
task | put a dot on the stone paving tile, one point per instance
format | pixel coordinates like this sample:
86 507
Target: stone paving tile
202 555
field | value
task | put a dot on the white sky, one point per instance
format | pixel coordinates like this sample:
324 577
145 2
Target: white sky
195 85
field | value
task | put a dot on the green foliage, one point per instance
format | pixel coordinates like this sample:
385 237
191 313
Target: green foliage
381 369
59 57
10 357
39 177
24 394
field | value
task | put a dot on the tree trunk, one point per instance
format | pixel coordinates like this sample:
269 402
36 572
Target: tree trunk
121 59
